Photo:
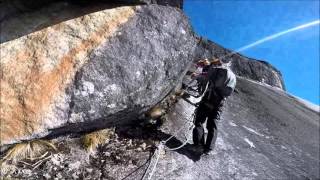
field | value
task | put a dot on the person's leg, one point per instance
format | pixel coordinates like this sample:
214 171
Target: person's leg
212 127
212 134
198 131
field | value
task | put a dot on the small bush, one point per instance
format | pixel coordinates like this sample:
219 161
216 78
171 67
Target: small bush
92 140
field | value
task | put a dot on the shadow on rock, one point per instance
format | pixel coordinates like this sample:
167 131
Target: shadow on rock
153 134
188 150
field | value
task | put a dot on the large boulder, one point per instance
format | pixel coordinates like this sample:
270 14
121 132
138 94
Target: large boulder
68 67
92 71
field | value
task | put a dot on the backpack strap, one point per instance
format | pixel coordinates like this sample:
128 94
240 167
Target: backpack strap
213 79
211 84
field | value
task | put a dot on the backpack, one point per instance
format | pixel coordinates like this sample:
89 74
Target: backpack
222 81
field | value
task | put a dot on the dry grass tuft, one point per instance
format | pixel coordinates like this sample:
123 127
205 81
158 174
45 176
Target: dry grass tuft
28 150
92 140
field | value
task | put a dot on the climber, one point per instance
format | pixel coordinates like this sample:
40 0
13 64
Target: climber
221 83
200 76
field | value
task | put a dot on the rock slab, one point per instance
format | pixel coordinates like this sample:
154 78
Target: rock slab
75 74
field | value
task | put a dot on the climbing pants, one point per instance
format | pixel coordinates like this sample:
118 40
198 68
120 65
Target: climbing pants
209 111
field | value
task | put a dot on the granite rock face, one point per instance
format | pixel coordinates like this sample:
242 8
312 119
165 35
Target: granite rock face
257 70
96 70
67 67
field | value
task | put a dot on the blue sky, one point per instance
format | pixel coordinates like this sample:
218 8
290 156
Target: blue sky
236 23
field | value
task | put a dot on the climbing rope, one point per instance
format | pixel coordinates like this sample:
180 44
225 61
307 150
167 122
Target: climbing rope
161 146
156 155
145 172
184 143
148 160
187 138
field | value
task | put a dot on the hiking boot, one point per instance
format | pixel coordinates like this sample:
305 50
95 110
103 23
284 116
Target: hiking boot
207 151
